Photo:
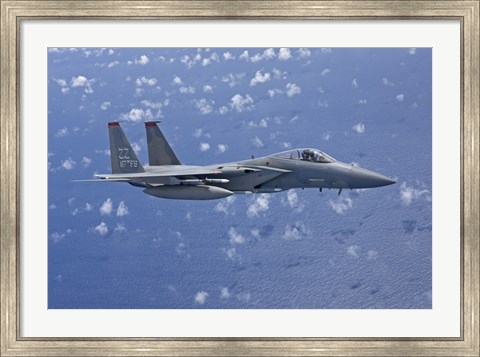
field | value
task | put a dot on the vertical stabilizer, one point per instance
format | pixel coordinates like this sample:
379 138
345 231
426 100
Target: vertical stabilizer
124 159
159 151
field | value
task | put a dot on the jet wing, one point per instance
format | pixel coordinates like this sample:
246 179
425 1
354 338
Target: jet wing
164 173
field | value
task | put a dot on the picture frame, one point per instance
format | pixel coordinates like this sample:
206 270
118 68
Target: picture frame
14 12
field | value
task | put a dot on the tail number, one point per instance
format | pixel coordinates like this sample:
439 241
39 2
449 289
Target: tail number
124 158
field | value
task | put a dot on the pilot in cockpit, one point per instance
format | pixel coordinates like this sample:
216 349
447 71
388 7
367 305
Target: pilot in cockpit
306 155
312 155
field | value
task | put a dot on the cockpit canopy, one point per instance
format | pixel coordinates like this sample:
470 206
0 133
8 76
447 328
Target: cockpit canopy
313 155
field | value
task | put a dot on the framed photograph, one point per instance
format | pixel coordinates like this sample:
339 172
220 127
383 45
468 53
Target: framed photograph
239 178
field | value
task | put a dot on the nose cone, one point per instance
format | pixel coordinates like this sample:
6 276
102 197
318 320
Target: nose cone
363 178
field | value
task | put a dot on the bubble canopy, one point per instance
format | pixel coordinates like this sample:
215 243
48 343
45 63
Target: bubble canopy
305 154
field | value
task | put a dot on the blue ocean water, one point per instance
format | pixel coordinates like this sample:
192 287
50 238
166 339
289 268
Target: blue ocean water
112 246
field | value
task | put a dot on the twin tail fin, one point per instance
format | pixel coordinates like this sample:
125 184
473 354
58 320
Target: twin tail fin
159 151
124 160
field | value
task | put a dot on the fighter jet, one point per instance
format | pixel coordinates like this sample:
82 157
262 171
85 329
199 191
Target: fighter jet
166 177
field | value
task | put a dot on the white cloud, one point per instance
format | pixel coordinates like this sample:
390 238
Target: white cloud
243 297
362 101
177 81
257 142
353 250
105 105
223 110
326 136
120 228
354 83
244 55
292 89
326 50
204 105
153 105
232 254
235 237
136 147
341 205
233 79
292 201
326 71
143 60
409 194
400 98
113 64
198 132
201 297
61 133
122 209
240 103
106 207
295 231
82 81
57 236
267 54
359 128
261 204
222 148
137 115
187 90
303 52
224 293
207 88
227 56
279 74
260 78
60 82
190 62
412 51
101 229
68 164
387 82
273 92
86 161
372 255
224 205
284 54
322 103
88 208
147 81
204 147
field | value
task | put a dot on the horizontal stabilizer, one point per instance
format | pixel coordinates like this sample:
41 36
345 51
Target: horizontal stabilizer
167 172
103 180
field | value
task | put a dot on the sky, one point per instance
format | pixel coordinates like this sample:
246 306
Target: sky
112 246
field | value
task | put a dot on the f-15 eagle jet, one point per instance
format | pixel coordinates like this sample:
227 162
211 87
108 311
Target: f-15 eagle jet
166 177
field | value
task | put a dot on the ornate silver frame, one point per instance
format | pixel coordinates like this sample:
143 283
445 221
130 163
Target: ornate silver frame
13 12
